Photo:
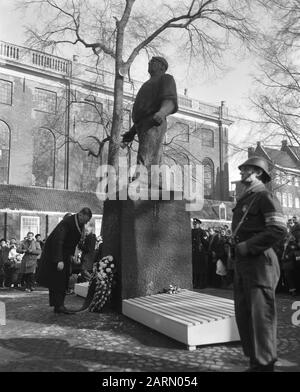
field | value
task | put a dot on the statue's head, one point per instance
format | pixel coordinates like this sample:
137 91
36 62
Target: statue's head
157 65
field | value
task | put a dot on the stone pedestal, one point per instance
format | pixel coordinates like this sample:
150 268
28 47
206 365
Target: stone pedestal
2 313
155 244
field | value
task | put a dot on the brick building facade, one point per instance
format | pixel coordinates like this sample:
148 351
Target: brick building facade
53 110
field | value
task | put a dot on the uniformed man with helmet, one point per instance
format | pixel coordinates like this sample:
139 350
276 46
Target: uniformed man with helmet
258 223
290 262
199 261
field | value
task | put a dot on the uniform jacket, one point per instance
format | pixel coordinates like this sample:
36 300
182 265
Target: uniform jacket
59 246
198 239
264 224
31 250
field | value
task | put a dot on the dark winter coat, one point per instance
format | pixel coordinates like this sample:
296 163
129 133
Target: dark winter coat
88 252
32 250
3 258
59 246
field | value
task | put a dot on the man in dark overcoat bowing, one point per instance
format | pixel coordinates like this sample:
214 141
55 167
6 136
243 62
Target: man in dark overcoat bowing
55 261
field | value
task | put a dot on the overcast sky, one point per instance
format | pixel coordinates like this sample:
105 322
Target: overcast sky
232 86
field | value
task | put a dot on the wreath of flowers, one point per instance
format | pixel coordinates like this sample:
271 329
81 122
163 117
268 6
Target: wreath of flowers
103 277
172 289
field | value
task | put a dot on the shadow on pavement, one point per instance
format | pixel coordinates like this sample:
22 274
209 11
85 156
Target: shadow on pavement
54 355
34 308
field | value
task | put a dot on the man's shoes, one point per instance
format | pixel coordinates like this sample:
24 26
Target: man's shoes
63 310
260 368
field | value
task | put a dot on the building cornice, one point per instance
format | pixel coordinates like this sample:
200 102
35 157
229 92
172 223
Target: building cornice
41 64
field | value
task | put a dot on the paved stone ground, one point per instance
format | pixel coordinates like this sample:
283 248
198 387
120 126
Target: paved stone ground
35 339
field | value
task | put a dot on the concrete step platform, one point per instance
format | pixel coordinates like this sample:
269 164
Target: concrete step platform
189 317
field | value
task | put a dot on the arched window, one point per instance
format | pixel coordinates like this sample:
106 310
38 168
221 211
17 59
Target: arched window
4 152
207 137
208 177
43 165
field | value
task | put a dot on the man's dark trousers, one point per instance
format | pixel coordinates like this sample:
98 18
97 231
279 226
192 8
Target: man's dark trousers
256 278
56 298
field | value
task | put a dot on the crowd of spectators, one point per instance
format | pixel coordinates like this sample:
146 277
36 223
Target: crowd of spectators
19 260
213 257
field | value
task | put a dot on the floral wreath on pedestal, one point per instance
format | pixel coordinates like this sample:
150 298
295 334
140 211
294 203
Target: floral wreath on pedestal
103 278
172 289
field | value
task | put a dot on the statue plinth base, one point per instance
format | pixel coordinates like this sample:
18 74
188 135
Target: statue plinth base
155 244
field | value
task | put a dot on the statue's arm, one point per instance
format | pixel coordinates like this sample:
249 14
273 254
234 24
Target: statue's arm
167 97
167 108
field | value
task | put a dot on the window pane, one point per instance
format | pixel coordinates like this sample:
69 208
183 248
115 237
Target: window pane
43 158
208 178
178 131
284 200
29 223
207 137
5 92
45 100
92 110
4 152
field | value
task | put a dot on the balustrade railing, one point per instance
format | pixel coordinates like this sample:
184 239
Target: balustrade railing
35 58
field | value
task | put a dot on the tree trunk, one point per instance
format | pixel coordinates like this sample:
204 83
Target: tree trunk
111 213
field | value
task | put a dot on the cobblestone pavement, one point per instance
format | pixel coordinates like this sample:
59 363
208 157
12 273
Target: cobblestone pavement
35 339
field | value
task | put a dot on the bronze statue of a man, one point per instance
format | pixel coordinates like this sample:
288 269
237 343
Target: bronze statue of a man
156 99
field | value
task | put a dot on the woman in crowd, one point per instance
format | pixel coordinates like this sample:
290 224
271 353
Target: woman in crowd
31 250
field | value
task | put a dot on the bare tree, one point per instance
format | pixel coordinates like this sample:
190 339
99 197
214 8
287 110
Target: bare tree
121 29
278 97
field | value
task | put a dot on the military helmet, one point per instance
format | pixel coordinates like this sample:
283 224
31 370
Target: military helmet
260 163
